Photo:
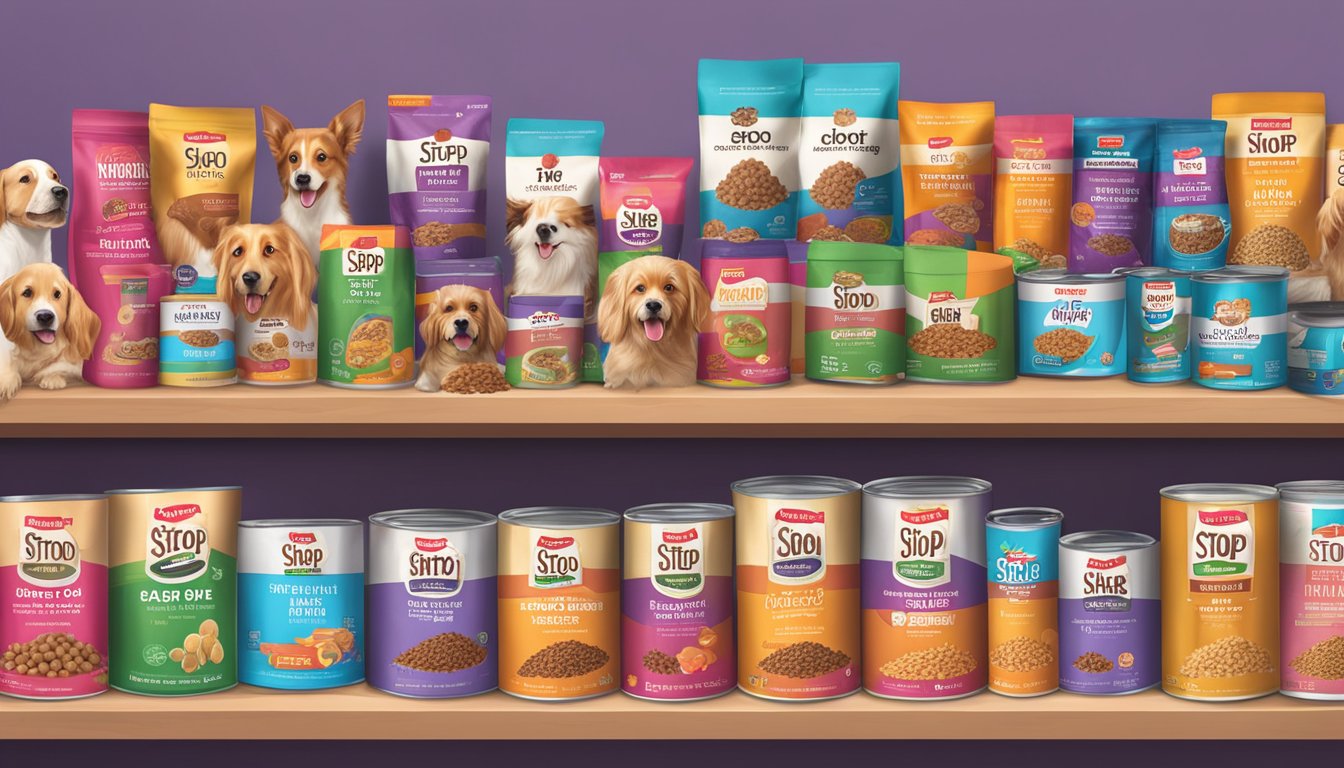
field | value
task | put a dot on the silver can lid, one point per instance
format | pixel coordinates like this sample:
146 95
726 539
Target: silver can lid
300 522
1106 541
1024 518
560 517
1318 314
44 497
139 491
1065 277
1313 490
1242 274
927 487
1226 492
430 519
679 513
795 486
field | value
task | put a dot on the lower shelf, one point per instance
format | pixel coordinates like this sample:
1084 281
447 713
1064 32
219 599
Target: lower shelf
360 712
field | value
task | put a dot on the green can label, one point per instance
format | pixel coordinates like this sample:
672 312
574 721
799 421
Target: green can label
855 313
366 307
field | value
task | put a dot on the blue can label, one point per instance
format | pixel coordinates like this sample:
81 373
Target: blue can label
1240 334
1316 361
1071 328
1159 328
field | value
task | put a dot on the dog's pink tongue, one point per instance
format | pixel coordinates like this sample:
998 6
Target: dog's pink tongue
462 341
653 329
307 197
46 337
545 250
253 302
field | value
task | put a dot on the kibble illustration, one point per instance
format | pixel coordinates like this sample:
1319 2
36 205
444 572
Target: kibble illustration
199 648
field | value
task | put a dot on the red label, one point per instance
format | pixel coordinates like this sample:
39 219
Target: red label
302 538
1271 123
203 137
430 545
800 516
549 161
546 542
1332 531
176 513
443 134
938 142
1018 556
942 296
1110 142
680 537
638 203
1223 517
1187 154
926 516
366 242
46 523
1102 565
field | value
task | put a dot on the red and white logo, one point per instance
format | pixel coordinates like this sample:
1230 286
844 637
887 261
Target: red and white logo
939 142
1271 123
203 137
1110 142
176 513
430 545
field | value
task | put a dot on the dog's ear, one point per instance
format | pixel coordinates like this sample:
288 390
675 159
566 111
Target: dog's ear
349 126
4 208
430 327
8 310
81 323
697 296
1330 220
221 257
302 274
496 327
587 216
276 127
515 213
612 323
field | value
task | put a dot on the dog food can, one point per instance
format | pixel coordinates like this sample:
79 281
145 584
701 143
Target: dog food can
1109 614
1157 308
172 596
1070 324
300 603
544 345
959 315
1022 550
747 342
430 276
1311 588
1240 319
559 602
855 313
798 586
432 603
275 351
1220 591
677 640
924 587
366 307
196 346
53 616
1316 348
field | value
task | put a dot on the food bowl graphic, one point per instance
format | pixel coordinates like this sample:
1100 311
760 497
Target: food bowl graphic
743 336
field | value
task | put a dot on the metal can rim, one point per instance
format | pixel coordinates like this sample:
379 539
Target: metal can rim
679 512
146 491
301 522
1045 517
53 497
804 486
432 519
927 487
1119 540
1065 277
559 517
1242 274
1224 492
1312 490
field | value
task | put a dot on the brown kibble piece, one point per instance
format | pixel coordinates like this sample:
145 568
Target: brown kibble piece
868 229
475 379
751 186
950 340
1093 662
1195 233
744 116
1021 654
209 627
741 235
446 652
661 663
959 217
845 117
834 187
1110 245
804 660
714 228
434 233
1065 343
830 233
52 654
568 658
939 663
1229 656
1271 245
1323 661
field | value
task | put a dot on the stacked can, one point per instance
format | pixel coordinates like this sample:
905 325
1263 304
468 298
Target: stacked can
1022 553
1109 637
1311 572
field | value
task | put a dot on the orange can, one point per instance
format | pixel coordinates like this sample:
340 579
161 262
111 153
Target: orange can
1022 556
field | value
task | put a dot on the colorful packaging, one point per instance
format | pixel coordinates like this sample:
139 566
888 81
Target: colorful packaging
1110 635
544 348
1240 327
746 342
1334 158
1112 213
677 602
1071 324
1157 324
1033 187
300 603
53 575
1220 591
366 307
855 313
797 586
750 133
947 155
432 601
850 154
275 351
1022 552
430 276
201 162
172 596
438 151
797 253
196 342
1190 216
924 587
1316 348
559 602
1311 568
959 315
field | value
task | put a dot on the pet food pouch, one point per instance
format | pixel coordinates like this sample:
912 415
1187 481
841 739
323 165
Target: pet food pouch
1275 142
746 341
749 136
543 349
1190 215
276 350
438 150
855 313
1033 186
850 154
430 276
959 315
1112 213
366 307
946 151
114 253
1334 158
201 161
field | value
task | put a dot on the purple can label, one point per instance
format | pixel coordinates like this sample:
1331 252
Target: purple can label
1109 620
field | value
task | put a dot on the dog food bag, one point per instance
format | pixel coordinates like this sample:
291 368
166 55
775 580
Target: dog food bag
544 346
1071 324
1190 215
201 162
850 154
1033 187
1112 213
432 603
677 602
438 151
1239 337
53 578
1311 568
196 342
948 170
114 253
749 139
959 315
172 598
1157 325
1316 348
1110 639
797 586
1334 158
1022 552
300 603
746 342
924 587
366 307
855 313
559 602
1220 591
1275 176
430 276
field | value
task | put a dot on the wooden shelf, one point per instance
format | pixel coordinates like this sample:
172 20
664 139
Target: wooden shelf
1024 408
360 712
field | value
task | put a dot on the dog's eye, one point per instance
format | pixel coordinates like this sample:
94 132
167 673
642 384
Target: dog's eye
294 159
448 308
669 288
269 249
56 294
24 179
474 308
321 157
27 293
640 288
238 251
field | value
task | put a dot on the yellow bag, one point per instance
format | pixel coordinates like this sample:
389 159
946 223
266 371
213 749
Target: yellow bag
948 173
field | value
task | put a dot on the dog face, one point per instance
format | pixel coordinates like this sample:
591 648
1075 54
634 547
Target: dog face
33 196
464 321
652 298
308 158
264 269
551 227
40 310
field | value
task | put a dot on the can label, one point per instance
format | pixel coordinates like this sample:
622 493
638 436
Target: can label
1159 329
1312 599
1240 334
1023 610
1109 611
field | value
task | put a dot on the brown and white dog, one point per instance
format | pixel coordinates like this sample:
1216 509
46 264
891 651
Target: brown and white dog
554 245
313 165
50 326
463 326
651 313
1330 225
265 271
33 201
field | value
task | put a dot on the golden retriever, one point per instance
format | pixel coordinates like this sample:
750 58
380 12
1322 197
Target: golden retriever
52 329
265 271
1330 224
463 326
651 313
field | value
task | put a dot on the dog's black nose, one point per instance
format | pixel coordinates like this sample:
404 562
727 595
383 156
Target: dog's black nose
654 306
461 324
45 317
544 231
60 193
303 179
251 278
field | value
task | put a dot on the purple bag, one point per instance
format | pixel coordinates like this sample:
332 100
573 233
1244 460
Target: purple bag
430 276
